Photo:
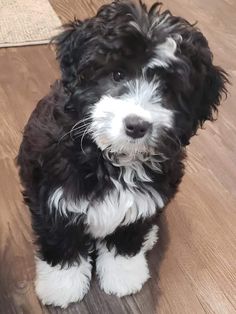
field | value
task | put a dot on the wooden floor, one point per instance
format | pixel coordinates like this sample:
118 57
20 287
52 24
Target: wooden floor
194 264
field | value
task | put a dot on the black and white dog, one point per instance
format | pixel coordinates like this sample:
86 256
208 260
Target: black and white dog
103 153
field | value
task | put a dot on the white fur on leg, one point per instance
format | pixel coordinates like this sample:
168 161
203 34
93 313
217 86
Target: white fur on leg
61 286
121 275
150 239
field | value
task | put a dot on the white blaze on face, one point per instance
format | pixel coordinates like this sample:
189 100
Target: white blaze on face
164 54
142 99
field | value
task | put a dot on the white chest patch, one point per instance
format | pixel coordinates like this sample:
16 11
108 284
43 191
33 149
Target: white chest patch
120 207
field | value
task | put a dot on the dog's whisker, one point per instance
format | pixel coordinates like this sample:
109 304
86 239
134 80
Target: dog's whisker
81 142
74 128
75 136
174 139
79 127
81 121
80 130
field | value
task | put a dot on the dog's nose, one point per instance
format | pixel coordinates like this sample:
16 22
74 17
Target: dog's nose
136 127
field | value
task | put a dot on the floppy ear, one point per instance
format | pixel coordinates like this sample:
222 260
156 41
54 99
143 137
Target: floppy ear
65 51
72 50
203 84
213 87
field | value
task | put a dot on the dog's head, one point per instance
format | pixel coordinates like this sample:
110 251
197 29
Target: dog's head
140 80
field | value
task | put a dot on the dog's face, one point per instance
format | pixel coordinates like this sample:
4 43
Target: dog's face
141 82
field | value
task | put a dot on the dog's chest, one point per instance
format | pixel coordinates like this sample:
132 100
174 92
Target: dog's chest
124 205
121 207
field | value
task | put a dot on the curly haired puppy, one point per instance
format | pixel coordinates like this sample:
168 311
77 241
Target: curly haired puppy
103 153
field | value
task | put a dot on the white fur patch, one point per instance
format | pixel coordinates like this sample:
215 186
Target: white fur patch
104 217
60 286
150 239
57 200
164 54
121 275
132 171
158 23
119 207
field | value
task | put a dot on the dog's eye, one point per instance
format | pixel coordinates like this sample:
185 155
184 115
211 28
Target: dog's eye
118 76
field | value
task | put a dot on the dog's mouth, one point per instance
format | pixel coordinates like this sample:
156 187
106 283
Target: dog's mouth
121 158
125 150
127 158
120 147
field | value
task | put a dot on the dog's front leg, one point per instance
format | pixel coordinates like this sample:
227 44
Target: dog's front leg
63 265
121 264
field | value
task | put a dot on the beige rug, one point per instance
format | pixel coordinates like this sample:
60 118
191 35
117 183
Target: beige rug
27 22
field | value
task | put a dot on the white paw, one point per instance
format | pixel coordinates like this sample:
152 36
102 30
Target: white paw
121 275
60 286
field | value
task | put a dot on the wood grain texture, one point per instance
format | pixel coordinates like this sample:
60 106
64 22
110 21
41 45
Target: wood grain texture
194 264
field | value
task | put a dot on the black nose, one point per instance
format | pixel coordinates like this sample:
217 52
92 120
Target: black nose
136 127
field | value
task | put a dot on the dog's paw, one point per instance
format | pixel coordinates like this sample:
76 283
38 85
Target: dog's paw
60 286
121 275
